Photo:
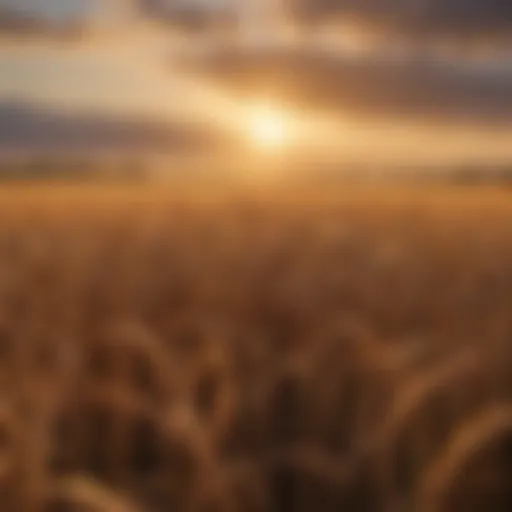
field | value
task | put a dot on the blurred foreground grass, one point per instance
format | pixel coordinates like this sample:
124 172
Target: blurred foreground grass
255 350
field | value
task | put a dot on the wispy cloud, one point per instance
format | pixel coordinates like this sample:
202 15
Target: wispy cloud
373 85
417 18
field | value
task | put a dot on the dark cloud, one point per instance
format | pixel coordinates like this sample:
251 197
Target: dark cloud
12 21
451 18
187 15
29 128
422 90
18 23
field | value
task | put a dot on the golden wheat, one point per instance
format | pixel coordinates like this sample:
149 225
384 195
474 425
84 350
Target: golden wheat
236 352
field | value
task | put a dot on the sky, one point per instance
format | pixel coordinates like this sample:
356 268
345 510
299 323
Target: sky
429 80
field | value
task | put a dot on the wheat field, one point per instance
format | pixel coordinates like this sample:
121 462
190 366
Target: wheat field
241 351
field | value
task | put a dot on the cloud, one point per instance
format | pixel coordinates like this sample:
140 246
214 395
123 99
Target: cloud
14 22
20 23
373 86
29 128
189 14
449 18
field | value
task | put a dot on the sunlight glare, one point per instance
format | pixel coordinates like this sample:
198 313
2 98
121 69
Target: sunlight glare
269 128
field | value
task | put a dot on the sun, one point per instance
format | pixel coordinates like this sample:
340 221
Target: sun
268 128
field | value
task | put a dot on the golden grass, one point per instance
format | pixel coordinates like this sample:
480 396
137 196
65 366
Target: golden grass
255 350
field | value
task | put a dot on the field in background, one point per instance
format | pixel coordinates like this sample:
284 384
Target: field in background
255 350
